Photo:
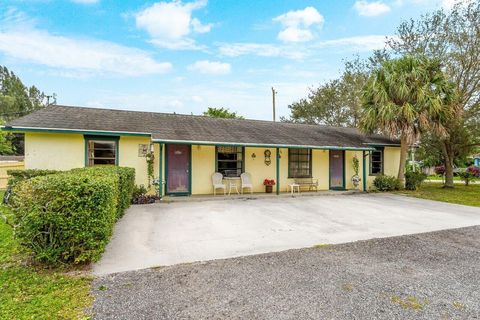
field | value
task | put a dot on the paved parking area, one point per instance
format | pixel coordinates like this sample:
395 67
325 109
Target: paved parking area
422 276
170 233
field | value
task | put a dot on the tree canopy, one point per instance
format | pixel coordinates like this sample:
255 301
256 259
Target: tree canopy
405 97
16 100
221 113
452 37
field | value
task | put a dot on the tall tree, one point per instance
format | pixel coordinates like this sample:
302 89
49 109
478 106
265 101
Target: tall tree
17 100
404 97
452 37
337 102
221 113
6 147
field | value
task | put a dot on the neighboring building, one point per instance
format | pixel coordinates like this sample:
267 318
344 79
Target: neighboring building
9 163
189 149
476 160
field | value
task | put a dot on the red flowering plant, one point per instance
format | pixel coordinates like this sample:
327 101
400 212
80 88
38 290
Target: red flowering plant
440 170
268 182
470 174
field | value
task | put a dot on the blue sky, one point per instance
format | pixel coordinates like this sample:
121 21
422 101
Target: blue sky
183 56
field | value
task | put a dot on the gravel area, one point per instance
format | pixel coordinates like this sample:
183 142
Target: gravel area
425 276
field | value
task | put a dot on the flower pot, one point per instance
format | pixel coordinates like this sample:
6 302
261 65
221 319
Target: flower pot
268 189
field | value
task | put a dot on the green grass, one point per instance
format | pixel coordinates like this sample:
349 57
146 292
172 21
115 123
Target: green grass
440 178
461 194
35 292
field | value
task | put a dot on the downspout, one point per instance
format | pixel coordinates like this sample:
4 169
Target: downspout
278 170
364 179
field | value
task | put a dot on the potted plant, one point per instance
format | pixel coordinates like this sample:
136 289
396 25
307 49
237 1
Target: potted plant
355 178
268 183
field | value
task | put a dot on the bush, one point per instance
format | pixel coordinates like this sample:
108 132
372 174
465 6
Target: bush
440 170
126 177
140 196
470 174
66 217
386 183
16 176
69 216
413 180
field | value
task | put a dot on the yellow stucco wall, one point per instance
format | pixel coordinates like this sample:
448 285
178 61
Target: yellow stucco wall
203 166
390 164
128 157
67 151
54 151
257 167
349 173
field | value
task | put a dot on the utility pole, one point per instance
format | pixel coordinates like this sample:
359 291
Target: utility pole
274 93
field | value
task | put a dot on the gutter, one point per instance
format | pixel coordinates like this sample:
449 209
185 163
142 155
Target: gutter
239 144
80 131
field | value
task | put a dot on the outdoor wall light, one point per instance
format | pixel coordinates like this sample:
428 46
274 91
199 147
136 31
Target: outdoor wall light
254 156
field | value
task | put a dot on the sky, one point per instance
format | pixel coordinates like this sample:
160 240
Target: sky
186 56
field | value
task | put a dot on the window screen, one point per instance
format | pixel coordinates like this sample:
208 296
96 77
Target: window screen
230 161
299 163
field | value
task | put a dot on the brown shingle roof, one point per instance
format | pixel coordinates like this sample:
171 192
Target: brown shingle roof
200 129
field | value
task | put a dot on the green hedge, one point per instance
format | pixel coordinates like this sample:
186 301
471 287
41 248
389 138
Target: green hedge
69 216
126 184
16 176
386 183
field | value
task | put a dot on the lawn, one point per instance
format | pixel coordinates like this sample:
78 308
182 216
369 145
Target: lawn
35 292
461 194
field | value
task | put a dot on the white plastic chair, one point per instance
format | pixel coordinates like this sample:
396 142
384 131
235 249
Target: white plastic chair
217 181
246 181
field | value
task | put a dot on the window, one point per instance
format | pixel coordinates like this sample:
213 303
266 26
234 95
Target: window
376 162
299 163
101 151
230 161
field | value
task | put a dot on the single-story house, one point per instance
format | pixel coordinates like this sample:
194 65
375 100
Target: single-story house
188 149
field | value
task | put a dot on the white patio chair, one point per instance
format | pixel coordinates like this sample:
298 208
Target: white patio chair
246 181
217 181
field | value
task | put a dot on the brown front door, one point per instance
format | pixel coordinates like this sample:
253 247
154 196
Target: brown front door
337 170
178 169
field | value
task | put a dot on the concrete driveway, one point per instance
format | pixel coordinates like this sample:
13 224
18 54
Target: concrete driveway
171 233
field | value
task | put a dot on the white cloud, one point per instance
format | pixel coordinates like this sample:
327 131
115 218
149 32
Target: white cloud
170 24
262 50
80 56
85 1
445 4
359 43
210 67
371 9
298 24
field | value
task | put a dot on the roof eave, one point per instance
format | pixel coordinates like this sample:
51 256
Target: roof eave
77 131
259 145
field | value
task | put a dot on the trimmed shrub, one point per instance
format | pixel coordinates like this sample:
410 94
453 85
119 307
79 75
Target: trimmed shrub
16 176
413 180
126 183
66 217
386 183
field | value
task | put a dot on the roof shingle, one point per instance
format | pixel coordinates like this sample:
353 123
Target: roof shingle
200 129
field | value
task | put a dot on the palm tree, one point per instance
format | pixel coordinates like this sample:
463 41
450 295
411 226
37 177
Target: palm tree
405 97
